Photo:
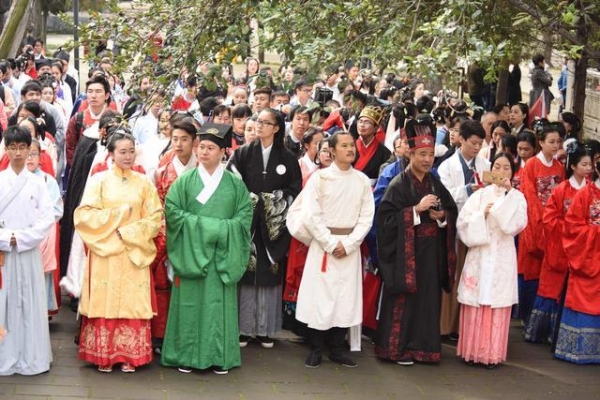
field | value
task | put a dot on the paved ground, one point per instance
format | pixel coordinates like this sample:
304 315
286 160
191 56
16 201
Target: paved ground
279 373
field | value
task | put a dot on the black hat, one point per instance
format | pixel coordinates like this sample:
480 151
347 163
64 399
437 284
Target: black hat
220 134
42 62
420 132
62 55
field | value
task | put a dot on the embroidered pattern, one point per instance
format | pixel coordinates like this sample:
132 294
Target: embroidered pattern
595 213
544 186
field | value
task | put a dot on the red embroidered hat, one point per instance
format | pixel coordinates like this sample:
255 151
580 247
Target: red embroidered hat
420 132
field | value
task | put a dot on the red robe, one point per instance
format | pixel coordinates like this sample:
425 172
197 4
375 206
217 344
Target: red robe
537 183
181 104
555 263
165 176
582 247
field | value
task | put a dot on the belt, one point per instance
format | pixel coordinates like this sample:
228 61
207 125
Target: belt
341 231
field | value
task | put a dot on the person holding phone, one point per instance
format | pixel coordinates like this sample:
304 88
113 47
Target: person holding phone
487 288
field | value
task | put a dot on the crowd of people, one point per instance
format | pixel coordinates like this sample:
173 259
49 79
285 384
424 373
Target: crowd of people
186 223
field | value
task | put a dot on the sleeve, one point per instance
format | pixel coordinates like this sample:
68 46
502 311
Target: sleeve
510 212
3 116
472 225
395 213
553 224
234 165
97 225
138 234
72 137
57 201
382 183
233 246
31 237
581 240
532 236
363 225
311 209
459 193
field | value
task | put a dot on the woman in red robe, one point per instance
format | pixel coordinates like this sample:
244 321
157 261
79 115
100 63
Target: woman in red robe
542 320
579 333
541 175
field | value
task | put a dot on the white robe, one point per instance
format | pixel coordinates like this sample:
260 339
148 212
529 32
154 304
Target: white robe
333 198
26 347
489 276
451 175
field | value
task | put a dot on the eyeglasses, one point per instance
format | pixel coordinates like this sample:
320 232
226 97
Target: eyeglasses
15 149
33 155
260 122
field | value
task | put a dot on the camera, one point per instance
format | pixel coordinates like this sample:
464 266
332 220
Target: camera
437 206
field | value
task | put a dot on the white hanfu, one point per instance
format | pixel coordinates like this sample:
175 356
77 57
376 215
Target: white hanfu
26 211
489 276
330 293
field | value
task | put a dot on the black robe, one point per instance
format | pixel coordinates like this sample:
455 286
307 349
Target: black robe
82 162
415 263
282 173
294 147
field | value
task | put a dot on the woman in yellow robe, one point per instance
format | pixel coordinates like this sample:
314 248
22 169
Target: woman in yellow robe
117 219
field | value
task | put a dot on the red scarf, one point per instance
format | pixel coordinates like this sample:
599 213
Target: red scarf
365 153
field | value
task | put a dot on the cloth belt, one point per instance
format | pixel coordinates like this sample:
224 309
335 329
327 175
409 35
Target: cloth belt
340 231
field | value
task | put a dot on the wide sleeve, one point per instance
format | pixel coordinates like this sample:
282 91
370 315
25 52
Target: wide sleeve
363 225
97 225
553 224
383 182
581 239
233 247
458 192
137 235
72 137
313 213
395 239
55 196
533 236
510 213
471 226
30 237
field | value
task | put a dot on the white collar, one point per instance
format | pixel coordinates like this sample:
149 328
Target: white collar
576 185
211 182
92 131
309 163
293 137
266 153
180 168
541 157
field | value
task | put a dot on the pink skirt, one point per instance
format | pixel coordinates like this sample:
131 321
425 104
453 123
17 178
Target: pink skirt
483 334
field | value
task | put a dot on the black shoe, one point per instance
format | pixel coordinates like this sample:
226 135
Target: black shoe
74 306
343 360
490 366
453 337
314 360
244 340
265 341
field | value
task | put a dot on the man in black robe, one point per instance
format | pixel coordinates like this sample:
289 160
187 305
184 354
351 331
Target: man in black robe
416 226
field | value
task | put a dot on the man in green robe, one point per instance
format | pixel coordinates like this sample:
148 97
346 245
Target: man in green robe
208 214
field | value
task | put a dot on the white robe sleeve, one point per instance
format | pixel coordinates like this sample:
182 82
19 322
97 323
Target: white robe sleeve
471 224
32 236
457 191
352 242
510 213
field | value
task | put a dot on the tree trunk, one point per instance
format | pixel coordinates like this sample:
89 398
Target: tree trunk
579 85
44 27
502 86
10 40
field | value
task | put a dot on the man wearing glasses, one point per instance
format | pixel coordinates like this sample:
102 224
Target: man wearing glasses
26 217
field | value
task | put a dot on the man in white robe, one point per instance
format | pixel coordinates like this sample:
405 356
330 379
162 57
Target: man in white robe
337 213
26 217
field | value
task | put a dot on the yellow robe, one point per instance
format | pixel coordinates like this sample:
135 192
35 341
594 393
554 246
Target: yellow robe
117 279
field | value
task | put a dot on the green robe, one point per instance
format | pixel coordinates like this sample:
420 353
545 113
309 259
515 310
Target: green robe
208 246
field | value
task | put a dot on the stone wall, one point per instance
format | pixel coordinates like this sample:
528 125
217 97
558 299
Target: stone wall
591 124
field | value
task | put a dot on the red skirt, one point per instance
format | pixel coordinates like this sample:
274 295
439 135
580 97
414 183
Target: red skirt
106 342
